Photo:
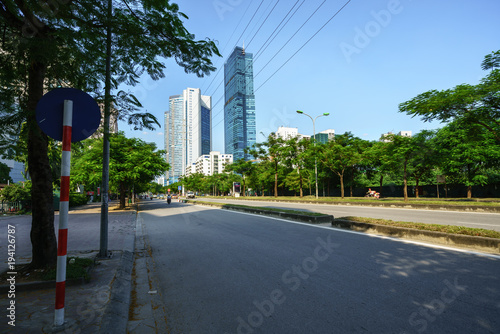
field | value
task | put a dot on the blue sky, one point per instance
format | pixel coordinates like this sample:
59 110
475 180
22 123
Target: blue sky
372 56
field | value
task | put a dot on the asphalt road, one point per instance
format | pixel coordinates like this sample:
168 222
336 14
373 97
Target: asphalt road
489 221
228 272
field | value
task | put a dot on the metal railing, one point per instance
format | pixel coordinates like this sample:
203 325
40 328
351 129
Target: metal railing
14 207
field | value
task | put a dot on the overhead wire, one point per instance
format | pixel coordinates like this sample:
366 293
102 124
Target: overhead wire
216 114
225 46
242 33
263 22
303 45
286 43
296 52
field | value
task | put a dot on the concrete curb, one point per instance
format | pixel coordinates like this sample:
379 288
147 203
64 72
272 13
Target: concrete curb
285 215
467 208
479 243
115 316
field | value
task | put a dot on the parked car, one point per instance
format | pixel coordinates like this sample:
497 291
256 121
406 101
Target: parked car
190 194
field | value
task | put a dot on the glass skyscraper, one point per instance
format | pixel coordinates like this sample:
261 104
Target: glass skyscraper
239 106
188 131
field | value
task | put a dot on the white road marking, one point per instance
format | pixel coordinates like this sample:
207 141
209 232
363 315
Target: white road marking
377 236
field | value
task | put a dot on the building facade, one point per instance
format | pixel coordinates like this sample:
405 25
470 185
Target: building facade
239 104
287 133
325 136
188 131
385 136
212 163
17 170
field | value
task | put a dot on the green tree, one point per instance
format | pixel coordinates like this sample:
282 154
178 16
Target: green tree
295 157
242 167
340 154
16 192
5 173
401 151
476 104
46 46
379 161
132 162
467 153
271 151
426 157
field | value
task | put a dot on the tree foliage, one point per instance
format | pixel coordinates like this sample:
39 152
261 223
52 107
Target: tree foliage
50 44
467 153
477 104
16 192
132 163
5 173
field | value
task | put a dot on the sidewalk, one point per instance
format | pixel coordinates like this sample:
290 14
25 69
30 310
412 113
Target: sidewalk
100 306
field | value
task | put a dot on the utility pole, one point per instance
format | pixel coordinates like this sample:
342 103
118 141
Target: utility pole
314 141
103 249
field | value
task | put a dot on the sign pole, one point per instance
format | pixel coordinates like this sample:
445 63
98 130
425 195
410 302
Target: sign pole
62 242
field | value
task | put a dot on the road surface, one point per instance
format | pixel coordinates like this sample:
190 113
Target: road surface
227 272
489 221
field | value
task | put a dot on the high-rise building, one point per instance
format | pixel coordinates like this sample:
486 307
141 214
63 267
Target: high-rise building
239 104
188 130
213 163
287 133
325 136
175 132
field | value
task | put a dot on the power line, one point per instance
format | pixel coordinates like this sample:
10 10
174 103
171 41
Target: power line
331 18
258 52
225 46
264 46
263 22
303 45
243 31
303 24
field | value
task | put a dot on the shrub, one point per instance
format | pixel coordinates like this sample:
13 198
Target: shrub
76 199
16 192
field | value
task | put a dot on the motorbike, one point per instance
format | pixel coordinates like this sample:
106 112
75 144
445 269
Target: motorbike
169 199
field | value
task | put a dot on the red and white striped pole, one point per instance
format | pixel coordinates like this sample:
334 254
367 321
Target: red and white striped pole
62 242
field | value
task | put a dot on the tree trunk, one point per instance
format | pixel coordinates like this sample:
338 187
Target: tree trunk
469 191
276 184
381 182
416 187
43 238
122 195
341 185
405 184
300 184
352 181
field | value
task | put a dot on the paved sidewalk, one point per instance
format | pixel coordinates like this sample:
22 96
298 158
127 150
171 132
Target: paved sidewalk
100 306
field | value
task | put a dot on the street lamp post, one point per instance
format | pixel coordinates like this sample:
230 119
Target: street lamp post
314 141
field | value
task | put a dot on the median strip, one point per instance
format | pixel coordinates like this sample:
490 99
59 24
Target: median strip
480 239
302 216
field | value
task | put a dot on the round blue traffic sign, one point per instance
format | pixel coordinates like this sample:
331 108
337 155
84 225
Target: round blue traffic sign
86 113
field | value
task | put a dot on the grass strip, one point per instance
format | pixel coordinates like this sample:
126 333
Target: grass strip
76 267
298 212
476 232
493 202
